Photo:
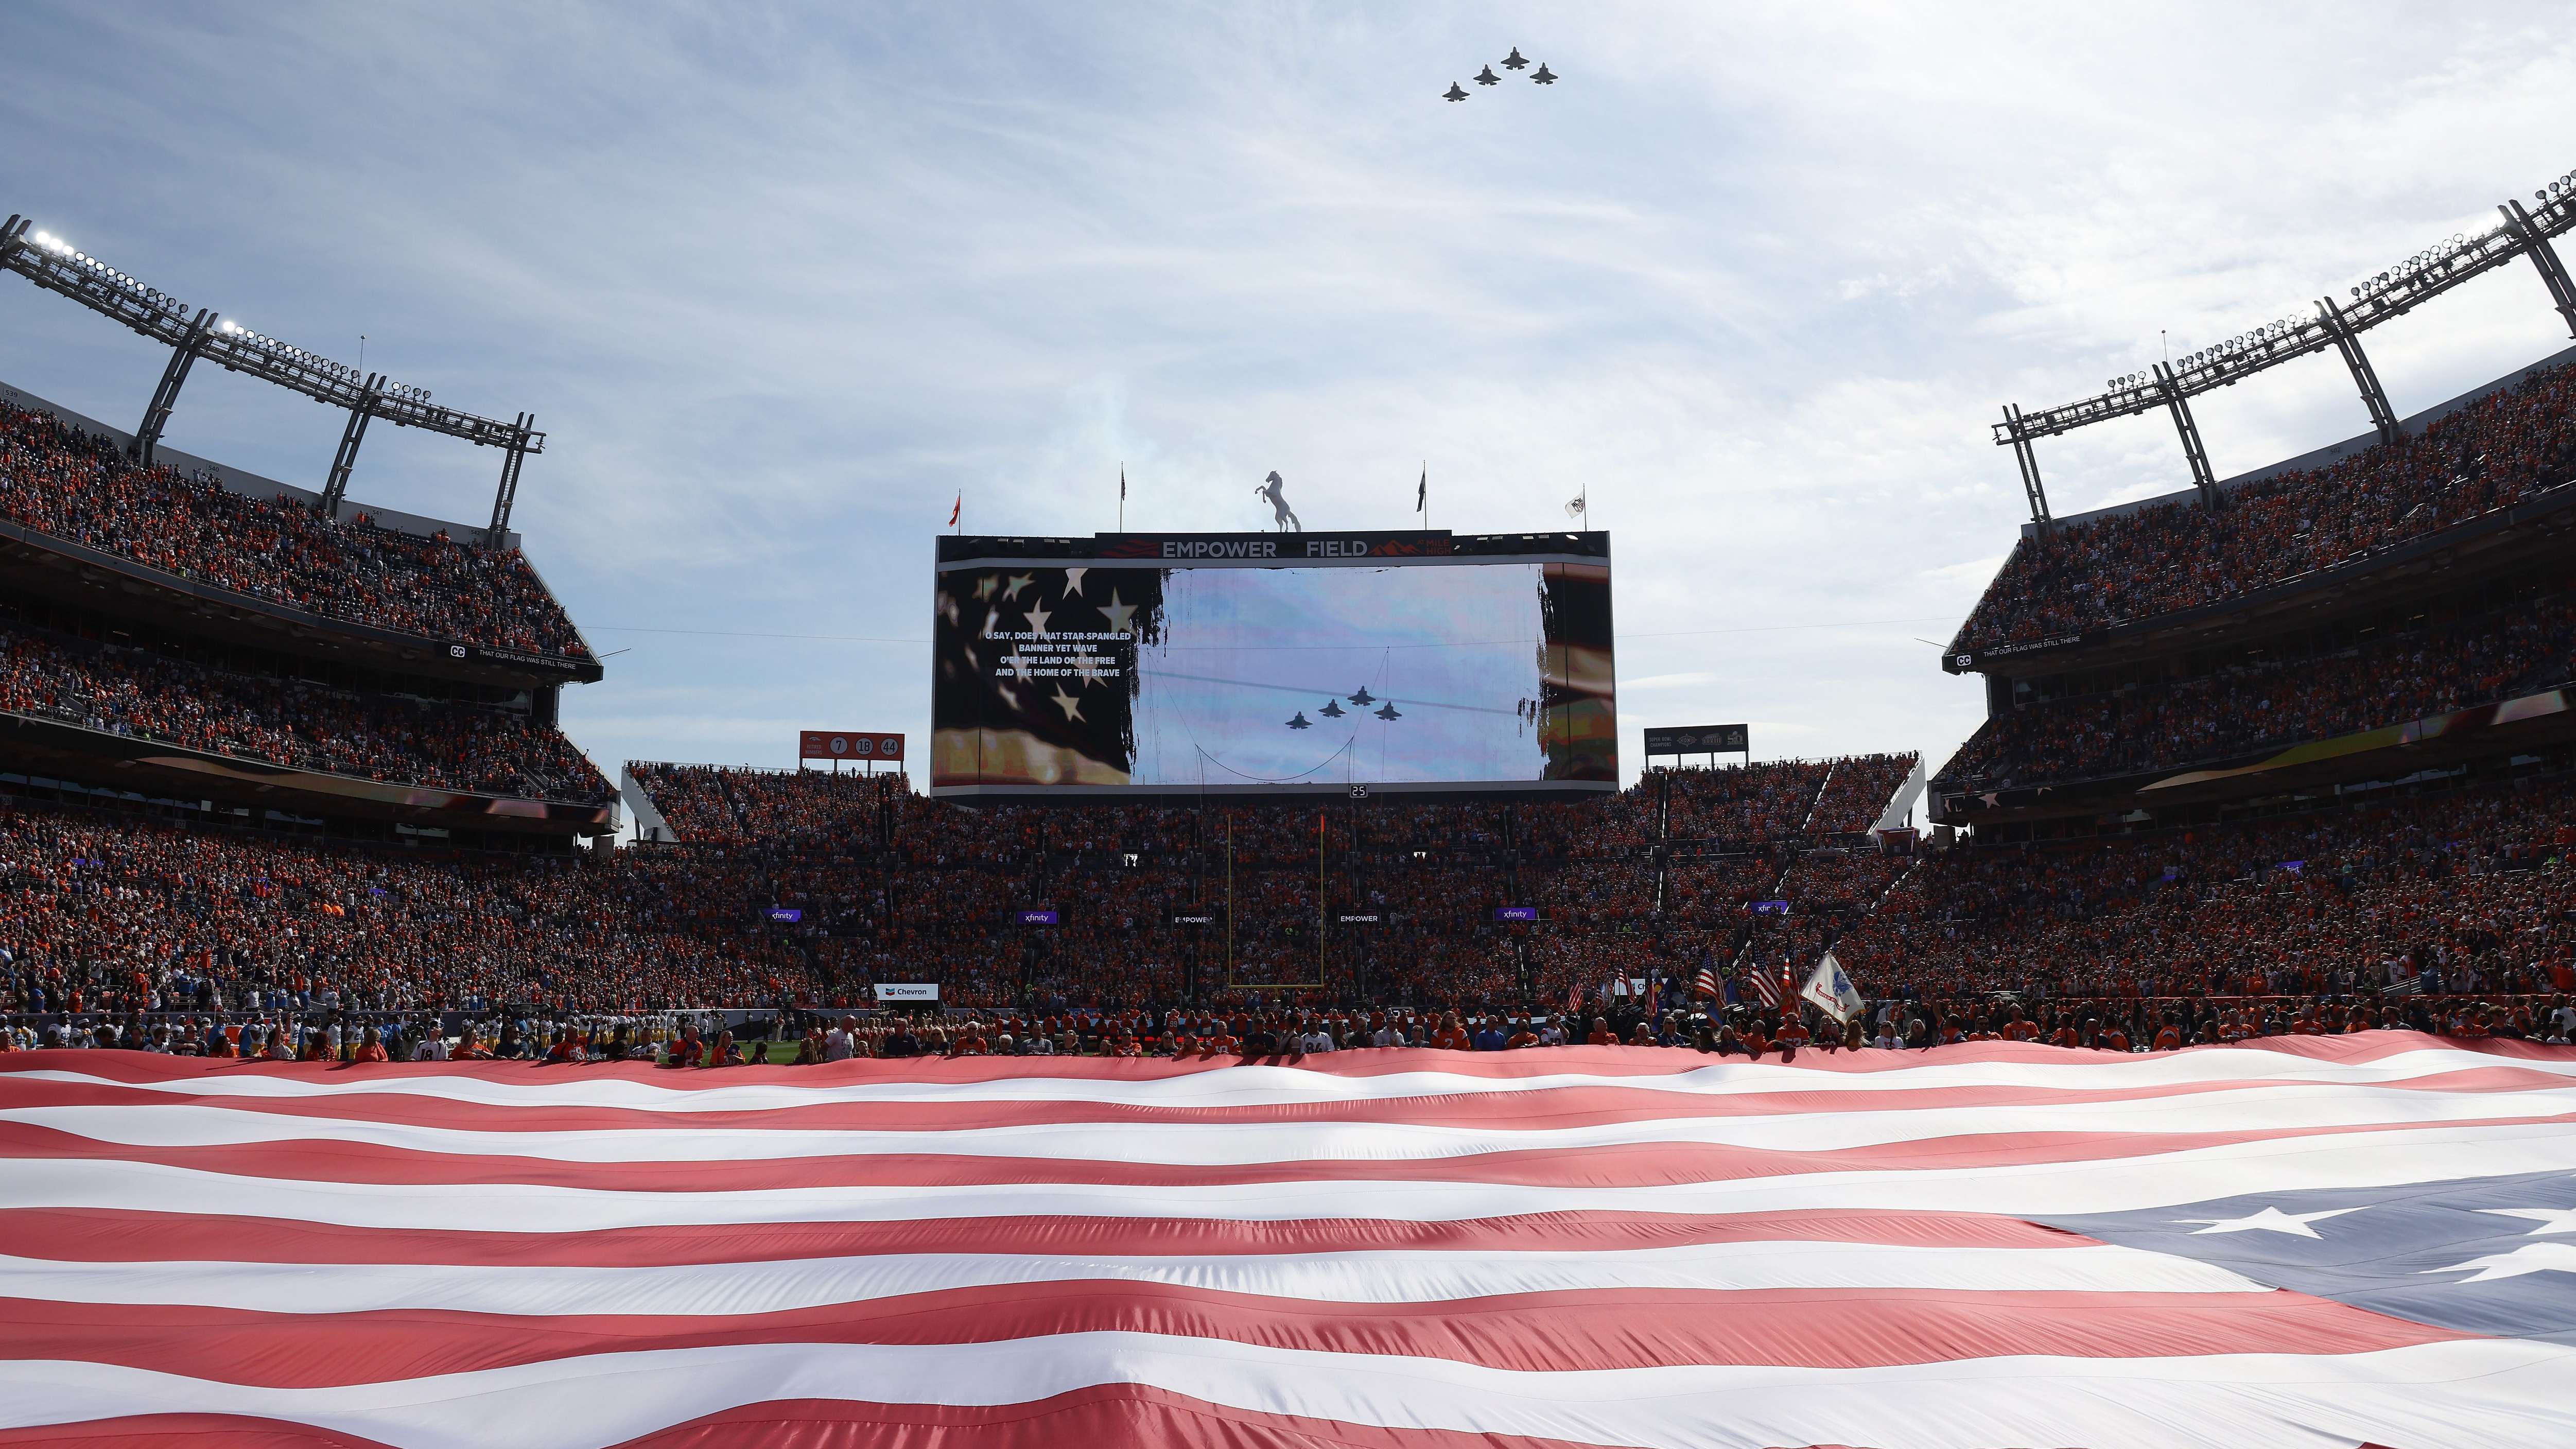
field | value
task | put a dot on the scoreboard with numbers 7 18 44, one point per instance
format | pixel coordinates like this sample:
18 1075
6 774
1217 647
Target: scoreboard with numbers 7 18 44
853 745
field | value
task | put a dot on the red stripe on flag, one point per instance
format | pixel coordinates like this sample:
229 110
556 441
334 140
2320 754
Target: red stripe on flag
1846 1328
1128 1416
91 1236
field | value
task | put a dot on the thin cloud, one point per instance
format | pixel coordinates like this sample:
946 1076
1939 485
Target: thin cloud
781 284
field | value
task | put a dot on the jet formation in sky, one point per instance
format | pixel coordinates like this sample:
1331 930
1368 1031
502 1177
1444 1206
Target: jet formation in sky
1486 77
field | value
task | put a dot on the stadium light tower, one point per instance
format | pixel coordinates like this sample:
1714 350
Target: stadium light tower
165 396
55 265
336 487
2029 461
2390 294
2364 376
507 496
2535 240
2192 451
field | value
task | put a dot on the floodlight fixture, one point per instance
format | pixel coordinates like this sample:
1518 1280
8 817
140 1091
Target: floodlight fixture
53 263
2429 272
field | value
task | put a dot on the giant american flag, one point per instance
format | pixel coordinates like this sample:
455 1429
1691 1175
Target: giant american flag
2308 1242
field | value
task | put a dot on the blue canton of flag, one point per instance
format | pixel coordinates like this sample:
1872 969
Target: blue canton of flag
2493 1255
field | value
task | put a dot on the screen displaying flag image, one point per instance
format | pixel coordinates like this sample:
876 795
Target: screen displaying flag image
1274 672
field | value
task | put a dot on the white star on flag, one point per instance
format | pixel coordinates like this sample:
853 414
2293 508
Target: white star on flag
1018 582
1073 581
2269 1220
2529 1258
1072 708
1038 622
1118 613
2551 1220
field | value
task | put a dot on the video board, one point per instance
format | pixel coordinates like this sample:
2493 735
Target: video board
1273 663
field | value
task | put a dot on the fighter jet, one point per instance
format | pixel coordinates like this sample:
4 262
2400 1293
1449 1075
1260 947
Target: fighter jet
1332 709
1301 722
1389 712
1542 75
1454 93
1486 77
1363 699
1513 61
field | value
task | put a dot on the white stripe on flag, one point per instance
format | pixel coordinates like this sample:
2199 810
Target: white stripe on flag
1406 1277
2500 1392
2040 1189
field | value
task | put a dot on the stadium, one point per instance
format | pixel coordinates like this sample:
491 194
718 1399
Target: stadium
1259 964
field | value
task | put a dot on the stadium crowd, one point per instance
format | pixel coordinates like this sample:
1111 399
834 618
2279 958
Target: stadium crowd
107 913
795 811
78 486
2428 910
2460 893
2272 702
294 723
2499 450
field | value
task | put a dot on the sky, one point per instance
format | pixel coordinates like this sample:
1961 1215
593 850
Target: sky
1453 649
781 284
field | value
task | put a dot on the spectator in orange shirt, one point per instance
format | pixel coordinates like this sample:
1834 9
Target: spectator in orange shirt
1793 1035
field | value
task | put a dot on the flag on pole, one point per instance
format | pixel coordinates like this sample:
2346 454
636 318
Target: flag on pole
1831 990
957 510
1122 483
1706 985
1422 492
1766 988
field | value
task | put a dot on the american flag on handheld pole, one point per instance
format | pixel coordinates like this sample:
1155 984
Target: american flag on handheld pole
2308 1241
1764 986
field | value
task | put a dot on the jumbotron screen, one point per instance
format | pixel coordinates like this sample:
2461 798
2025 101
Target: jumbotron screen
1273 663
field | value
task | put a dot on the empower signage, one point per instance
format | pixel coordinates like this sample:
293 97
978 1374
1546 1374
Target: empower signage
1273 549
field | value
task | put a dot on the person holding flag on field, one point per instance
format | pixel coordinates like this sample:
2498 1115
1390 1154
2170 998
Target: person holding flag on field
1830 991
